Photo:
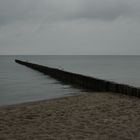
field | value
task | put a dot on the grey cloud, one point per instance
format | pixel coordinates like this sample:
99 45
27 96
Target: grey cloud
105 10
108 9
53 10
14 10
69 26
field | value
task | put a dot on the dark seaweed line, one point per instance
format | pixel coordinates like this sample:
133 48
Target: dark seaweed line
85 82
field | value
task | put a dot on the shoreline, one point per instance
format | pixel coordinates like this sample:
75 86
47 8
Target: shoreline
86 116
30 102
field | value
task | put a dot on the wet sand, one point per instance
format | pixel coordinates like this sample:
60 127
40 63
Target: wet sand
91 116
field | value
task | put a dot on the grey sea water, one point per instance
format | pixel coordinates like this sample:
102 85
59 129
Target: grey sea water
21 84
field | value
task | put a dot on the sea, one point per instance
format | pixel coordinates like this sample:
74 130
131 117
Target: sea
19 84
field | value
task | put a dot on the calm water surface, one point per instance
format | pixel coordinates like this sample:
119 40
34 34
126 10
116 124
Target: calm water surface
21 84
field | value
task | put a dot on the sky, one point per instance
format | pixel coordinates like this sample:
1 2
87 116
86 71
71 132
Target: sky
69 27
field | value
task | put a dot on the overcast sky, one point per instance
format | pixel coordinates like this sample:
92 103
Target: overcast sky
70 27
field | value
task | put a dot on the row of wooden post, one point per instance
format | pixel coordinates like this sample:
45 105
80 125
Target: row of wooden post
85 82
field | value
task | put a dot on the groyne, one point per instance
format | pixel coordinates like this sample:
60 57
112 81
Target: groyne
82 81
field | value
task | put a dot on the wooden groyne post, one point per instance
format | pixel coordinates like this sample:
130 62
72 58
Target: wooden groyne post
83 81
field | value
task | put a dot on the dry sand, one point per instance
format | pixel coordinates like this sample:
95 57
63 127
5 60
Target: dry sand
94 116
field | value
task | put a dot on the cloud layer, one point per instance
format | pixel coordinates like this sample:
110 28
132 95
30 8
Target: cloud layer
89 26
53 10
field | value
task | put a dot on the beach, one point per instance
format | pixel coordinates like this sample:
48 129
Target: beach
98 116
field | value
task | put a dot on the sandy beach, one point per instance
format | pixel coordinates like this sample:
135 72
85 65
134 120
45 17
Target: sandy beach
91 116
